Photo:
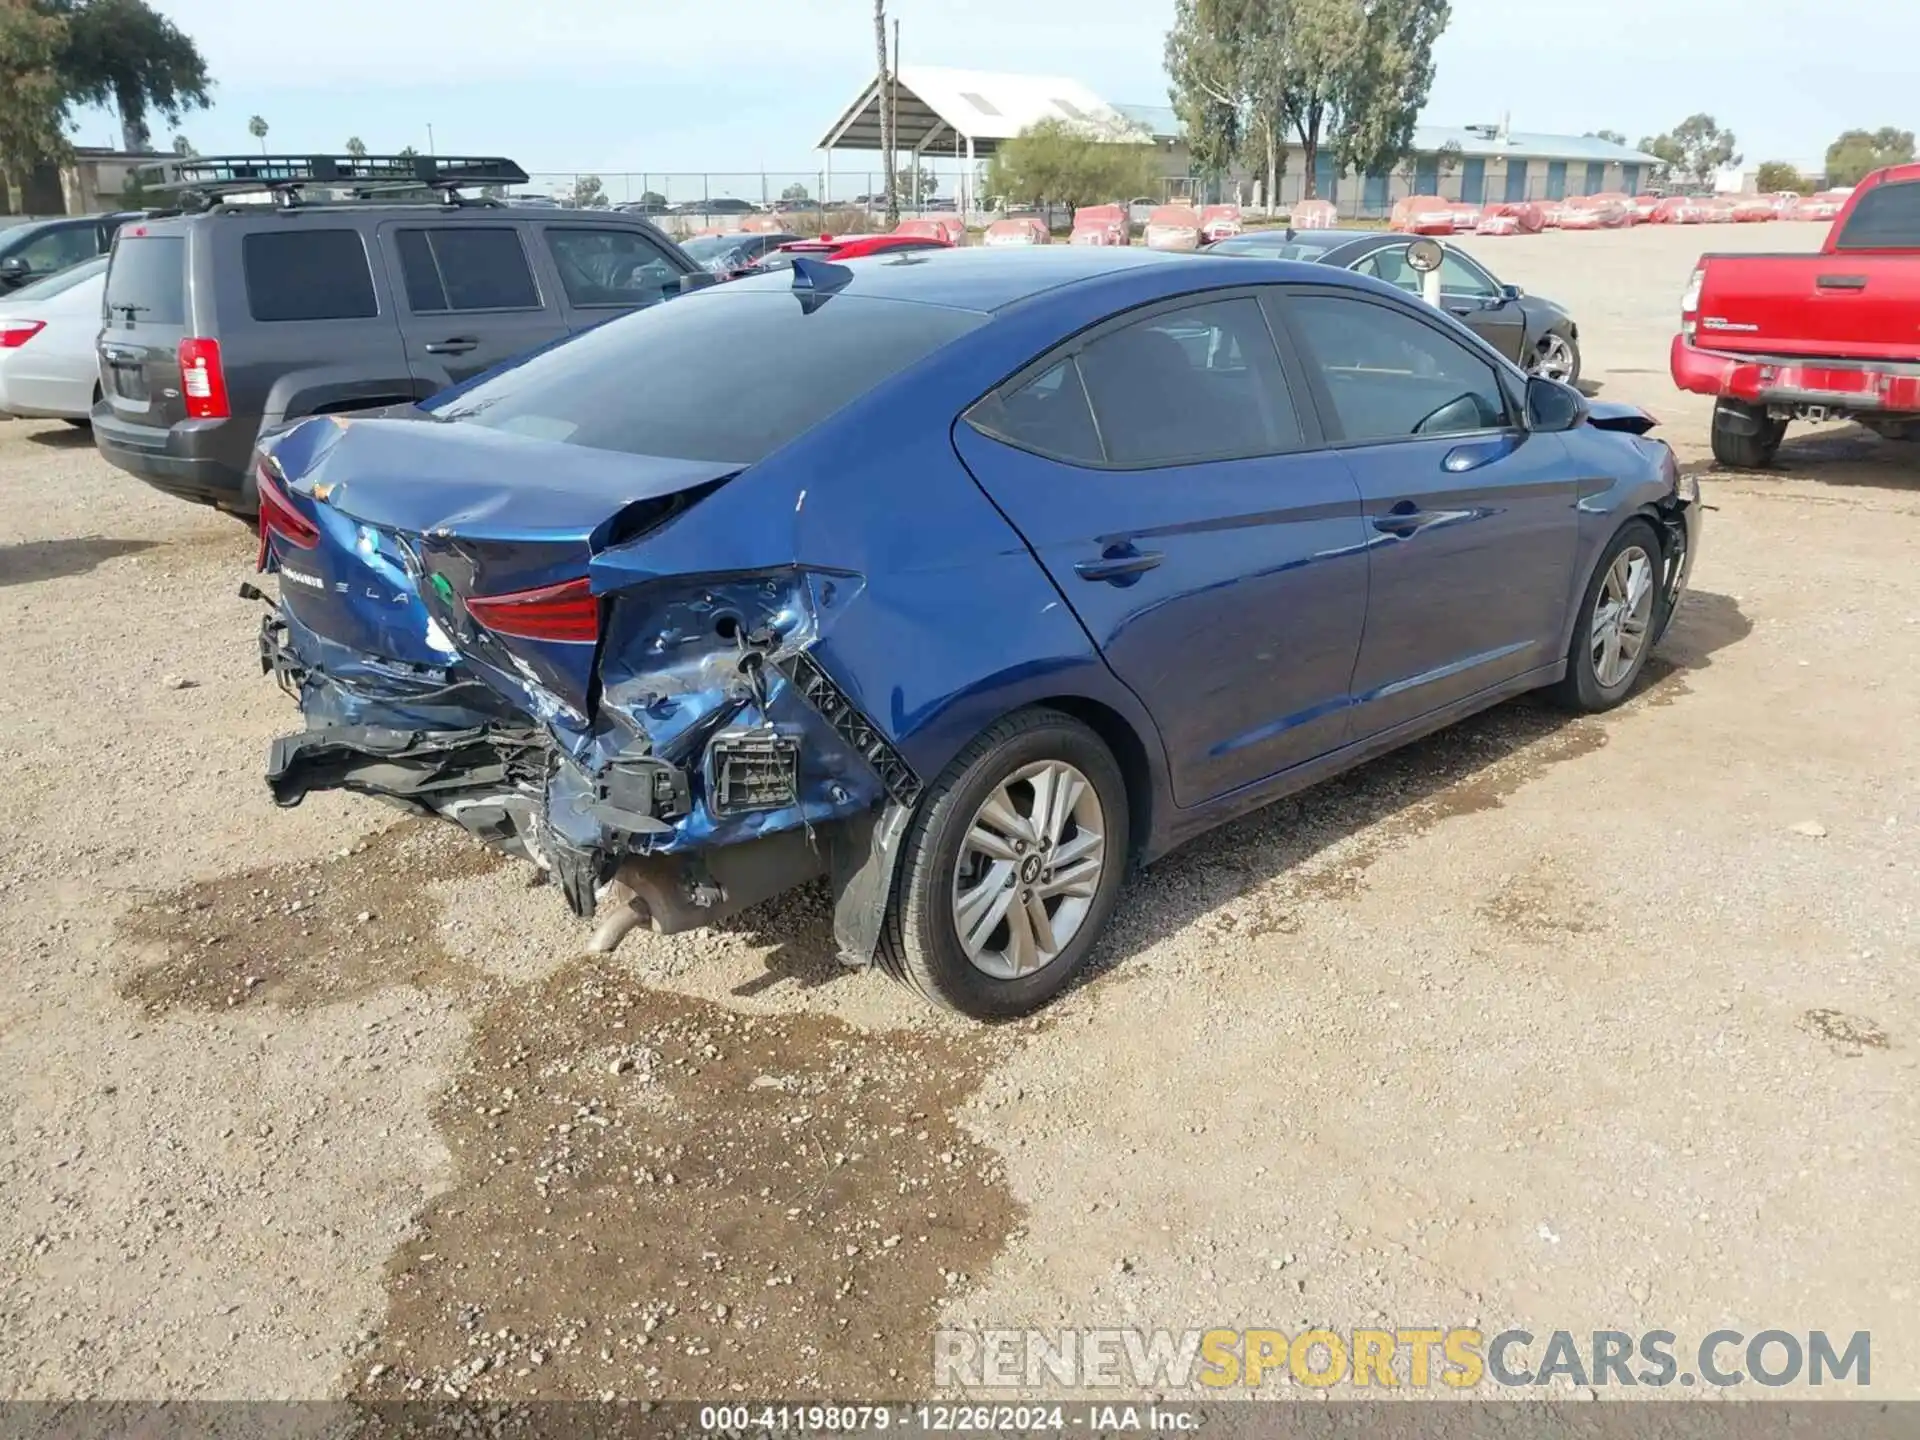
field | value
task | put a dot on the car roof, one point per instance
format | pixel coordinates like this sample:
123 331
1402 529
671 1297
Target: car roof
991 278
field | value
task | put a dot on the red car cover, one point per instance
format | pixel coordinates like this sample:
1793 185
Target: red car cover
1314 215
1174 227
950 228
1422 215
1217 222
1099 225
1017 230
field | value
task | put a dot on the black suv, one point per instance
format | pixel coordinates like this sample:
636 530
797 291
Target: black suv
223 319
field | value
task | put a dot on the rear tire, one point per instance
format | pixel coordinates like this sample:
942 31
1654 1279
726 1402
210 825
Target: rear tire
1750 441
1040 781
80 424
1620 610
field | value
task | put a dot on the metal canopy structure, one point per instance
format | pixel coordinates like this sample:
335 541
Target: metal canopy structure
966 114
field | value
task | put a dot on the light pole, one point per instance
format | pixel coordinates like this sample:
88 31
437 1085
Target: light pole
430 150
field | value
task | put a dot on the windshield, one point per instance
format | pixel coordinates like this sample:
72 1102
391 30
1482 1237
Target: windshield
1269 249
709 248
60 283
729 375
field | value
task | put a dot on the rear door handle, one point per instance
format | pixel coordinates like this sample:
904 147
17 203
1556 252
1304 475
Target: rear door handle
1404 519
1842 282
459 345
1119 564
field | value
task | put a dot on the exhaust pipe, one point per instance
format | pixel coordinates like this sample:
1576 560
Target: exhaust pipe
669 894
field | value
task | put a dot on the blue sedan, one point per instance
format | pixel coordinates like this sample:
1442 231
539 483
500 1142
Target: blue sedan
962 579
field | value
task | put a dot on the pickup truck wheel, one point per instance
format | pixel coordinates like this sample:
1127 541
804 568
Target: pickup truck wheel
1619 616
1744 437
1010 870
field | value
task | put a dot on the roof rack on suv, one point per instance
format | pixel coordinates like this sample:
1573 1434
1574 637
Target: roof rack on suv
203 181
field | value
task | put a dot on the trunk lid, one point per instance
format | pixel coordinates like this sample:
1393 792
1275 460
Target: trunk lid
416 516
144 318
1842 306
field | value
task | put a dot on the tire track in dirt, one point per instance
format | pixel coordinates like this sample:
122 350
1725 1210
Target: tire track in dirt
654 1196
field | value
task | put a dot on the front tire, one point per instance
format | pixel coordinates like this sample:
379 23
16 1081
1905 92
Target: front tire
1556 357
1618 619
1744 438
1011 869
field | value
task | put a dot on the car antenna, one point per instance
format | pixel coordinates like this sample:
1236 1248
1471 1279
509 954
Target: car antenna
821 277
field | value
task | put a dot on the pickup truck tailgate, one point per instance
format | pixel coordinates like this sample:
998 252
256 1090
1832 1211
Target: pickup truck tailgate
1832 306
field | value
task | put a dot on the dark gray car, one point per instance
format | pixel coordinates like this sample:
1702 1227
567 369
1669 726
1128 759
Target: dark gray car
221 323
1530 330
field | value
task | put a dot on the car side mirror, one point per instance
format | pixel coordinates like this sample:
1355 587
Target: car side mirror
1510 292
14 267
698 280
1552 406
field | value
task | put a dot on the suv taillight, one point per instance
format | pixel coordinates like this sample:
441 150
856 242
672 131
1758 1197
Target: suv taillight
202 382
568 613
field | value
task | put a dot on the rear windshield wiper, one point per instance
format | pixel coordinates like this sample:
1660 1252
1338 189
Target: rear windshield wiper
129 310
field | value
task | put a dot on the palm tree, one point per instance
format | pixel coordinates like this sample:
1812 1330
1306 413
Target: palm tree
257 128
183 147
357 148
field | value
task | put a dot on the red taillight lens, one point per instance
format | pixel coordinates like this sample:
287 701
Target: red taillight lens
15 333
278 517
202 382
567 613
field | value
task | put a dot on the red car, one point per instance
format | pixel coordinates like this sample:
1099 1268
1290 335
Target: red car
845 247
1826 336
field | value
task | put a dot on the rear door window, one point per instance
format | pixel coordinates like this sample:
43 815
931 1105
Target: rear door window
60 247
147 280
308 275
610 267
1048 415
1391 376
465 267
1886 218
1189 385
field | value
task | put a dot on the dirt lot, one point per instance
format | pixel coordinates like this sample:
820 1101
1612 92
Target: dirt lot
1564 1023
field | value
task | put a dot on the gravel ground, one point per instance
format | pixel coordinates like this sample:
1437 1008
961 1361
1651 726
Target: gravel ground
1559 1023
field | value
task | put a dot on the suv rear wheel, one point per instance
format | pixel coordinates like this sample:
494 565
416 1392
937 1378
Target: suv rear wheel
1744 437
1011 868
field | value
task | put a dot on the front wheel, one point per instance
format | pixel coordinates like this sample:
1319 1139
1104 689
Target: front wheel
1556 357
1619 617
1011 869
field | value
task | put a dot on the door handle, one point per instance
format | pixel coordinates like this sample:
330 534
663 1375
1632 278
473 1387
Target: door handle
458 345
1842 282
1404 520
1119 565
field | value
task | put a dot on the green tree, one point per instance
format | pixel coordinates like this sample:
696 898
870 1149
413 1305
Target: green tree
1694 151
408 153
588 193
1056 162
1858 153
1774 176
356 147
257 128
33 95
1384 86
1613 136
796 193
183 147
1210 75
125 56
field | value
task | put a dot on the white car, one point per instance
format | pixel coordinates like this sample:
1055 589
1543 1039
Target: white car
48 370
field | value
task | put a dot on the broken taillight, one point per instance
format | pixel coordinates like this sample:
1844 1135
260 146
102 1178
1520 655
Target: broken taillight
15 333
567 613
278 517
203 384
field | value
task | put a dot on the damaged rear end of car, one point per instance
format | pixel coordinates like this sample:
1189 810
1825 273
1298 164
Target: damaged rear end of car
519 622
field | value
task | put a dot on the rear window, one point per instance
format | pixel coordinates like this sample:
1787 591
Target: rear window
466 268
1886 218
307 275
147 279
730 375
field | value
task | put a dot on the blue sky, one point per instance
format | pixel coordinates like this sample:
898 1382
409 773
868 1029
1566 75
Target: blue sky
646 86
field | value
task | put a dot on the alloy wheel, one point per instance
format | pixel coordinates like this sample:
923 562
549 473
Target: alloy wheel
1622 617
1029 868
1552 359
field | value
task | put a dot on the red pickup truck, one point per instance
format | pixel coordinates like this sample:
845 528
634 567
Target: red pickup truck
1824 336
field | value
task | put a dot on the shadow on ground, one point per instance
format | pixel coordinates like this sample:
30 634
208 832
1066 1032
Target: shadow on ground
1471 766
36 560
64 437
